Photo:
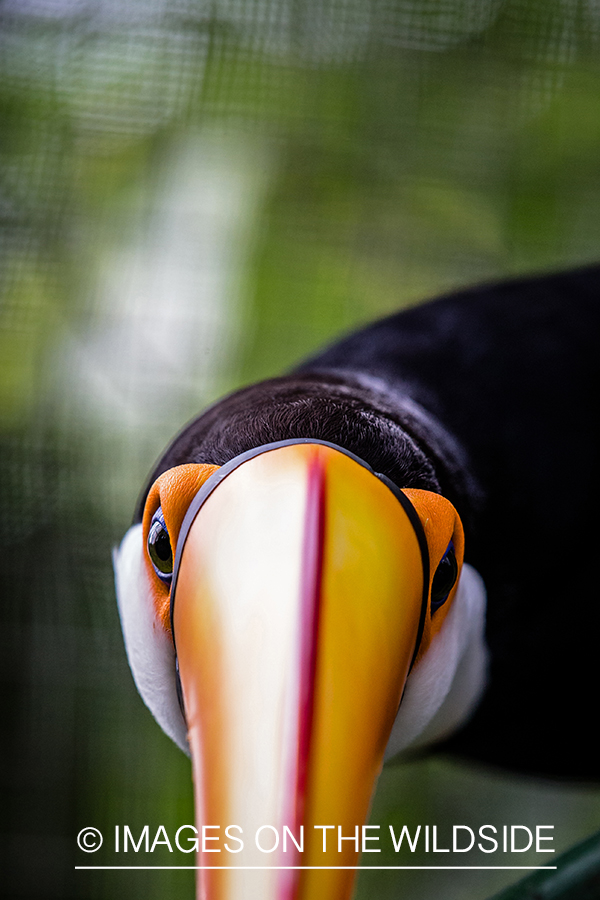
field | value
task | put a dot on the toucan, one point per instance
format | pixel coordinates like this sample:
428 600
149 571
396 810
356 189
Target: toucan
392 547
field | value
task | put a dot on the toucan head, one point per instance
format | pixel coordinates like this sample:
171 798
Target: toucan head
291 617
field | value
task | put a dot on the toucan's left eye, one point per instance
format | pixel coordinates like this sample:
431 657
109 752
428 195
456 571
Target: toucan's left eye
444 578
159 547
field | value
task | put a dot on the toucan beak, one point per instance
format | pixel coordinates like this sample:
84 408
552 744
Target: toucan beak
296 615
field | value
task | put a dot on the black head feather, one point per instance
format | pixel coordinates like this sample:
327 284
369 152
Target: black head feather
375 422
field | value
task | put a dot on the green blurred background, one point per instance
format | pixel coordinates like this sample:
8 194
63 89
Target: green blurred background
194 195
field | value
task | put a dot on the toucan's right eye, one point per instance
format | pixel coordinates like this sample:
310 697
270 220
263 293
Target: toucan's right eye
159 547
444 578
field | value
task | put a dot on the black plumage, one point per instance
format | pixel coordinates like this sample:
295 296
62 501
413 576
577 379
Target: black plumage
489 396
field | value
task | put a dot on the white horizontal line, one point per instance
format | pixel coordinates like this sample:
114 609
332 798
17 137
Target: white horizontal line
328 868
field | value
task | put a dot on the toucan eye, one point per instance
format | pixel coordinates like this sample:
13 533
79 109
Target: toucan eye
159 547
444 578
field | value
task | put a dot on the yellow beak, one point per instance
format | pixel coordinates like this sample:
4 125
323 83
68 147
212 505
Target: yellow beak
297 609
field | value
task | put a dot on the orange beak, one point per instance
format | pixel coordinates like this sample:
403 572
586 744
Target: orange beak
298 606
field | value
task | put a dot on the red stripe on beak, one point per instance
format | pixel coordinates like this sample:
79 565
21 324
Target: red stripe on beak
310 597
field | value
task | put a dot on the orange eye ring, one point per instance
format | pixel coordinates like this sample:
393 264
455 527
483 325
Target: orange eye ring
166 505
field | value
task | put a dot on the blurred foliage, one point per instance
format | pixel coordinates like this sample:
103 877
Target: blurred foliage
346 158
577 877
